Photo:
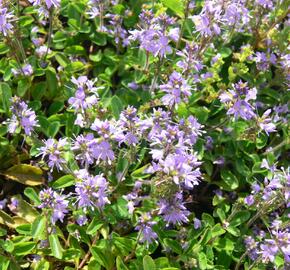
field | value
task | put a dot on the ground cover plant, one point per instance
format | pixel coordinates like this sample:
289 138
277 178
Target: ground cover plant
144 134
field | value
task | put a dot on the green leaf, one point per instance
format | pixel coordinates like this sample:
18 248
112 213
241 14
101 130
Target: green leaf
6 93
75 67
8 246
25 210
120 264
42 265
103 257
140 173
38 90
148 263
94 226
261 140
64 181
55 246
62 59
25 20
202 261
25 174
55 107
23 248
230 181
5 219
22 86
75 50
208 219
239 218
124 245
176 6
38 227
24 229
116 106
234 231
51 82
4 262
32 195
53 129
174 245
225 52
217 230
96 57
3 48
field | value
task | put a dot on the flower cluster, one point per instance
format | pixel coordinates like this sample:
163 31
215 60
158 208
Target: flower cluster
54 202
22 117
91 191
6 18
144 134
154 36
238 100
53 150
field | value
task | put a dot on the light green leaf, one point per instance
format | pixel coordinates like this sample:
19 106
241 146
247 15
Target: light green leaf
148 263
55 246
94 226
38 227
176 6
64 181
120 264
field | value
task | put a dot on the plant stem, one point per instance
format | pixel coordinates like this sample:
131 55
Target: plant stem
237 267
85 259
49 33
186 12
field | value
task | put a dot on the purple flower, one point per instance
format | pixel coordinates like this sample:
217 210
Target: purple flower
48 3
155 42
103 151
249 200
127 129
93 12
105 129
196 223
51 200
42 50
189 63
263 61
252 247
22 117
237 100
86 96
177 90
145 228
91 190
181 168
268 250
26 70
3 204
84 146
265 3
54 150
133 85
173 210
265 123
5 21
82 220
209 143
